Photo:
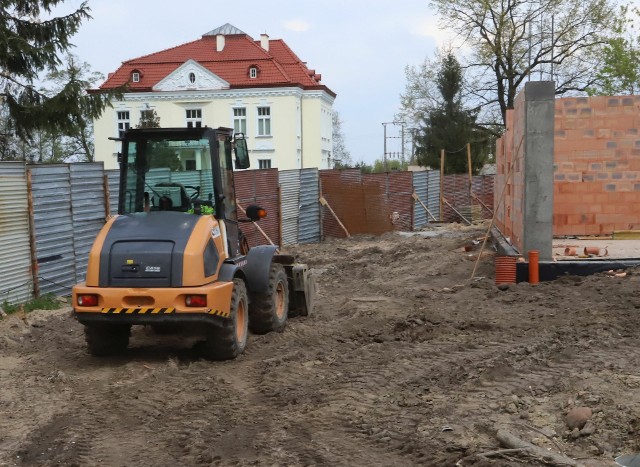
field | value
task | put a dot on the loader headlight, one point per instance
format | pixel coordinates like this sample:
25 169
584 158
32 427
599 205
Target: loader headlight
196 300
87 300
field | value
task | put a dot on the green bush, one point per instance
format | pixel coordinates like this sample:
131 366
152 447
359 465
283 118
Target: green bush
45 302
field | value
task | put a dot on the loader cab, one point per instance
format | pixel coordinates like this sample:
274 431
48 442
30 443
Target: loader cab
187 170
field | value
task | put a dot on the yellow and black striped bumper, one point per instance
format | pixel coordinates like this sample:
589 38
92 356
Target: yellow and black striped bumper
150 316
158 311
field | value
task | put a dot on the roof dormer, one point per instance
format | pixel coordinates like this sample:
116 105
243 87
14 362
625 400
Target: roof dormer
254 71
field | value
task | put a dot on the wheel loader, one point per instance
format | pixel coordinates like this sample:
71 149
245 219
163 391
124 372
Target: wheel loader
175 258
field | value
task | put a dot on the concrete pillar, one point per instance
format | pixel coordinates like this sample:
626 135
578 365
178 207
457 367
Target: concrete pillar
539 115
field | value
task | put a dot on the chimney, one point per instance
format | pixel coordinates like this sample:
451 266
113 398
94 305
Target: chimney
264 41
219 42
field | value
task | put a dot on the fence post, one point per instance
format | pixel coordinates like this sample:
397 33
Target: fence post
32 237
441 184
107 200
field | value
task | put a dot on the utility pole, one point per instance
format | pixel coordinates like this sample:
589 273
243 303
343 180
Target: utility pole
384 124
384 156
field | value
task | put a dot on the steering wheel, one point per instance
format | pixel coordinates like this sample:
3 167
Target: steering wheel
196 191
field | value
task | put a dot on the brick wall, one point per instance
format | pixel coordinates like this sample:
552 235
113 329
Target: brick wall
510 172
596 165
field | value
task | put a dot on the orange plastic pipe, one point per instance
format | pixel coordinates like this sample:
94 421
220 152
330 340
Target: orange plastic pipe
534 268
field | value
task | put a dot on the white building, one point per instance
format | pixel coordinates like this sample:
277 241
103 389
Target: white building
225 78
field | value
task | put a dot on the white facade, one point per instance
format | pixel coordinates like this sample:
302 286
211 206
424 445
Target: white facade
285 127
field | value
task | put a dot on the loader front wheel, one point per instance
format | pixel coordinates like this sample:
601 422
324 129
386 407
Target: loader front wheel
229 340
269 311
106 339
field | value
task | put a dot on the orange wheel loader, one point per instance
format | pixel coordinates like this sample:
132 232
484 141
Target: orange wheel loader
174 256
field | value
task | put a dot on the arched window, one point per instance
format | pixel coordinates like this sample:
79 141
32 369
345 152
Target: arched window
192 77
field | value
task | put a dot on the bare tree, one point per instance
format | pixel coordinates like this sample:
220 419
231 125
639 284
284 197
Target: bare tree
341 155
513 41
420 94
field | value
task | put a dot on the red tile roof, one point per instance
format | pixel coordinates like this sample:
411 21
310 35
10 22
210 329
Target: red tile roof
277 67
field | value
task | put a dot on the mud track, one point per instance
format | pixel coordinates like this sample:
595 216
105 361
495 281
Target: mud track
406 362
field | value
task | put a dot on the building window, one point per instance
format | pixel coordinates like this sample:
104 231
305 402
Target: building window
253 72
124 122
264 121
194 118
264 163
240 120
192 78
135 77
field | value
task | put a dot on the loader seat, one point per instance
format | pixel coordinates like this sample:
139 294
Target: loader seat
173 197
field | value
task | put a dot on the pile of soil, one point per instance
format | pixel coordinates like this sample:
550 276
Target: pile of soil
406 361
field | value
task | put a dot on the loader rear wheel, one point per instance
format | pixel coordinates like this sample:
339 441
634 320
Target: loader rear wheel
229 340
269 311
106 339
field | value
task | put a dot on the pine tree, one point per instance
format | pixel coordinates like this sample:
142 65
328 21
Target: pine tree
149 119
31 46
450 126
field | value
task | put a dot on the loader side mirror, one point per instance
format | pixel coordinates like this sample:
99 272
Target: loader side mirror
242 152
255 213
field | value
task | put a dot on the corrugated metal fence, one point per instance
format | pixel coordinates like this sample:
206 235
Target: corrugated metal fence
70 201
68 212
473 205
15 251
299 193
426 185
378 203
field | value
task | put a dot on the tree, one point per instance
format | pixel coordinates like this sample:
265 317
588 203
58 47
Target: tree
163 155
32 45
341 155
78 142
395 165
511 40
450 126
420 94
149 119
619 71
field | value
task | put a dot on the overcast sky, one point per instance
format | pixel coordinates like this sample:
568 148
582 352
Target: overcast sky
359 46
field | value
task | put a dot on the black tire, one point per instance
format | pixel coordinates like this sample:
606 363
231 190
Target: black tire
229 340
106 339
269 311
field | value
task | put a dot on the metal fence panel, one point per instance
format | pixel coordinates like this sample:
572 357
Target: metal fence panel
87 208
260 187
54 228
16 284
309 225
290 205
433 193
114 184
420 216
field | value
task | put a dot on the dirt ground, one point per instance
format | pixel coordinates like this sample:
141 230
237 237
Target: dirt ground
407 361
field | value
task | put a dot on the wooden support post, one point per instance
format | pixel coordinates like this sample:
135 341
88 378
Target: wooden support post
482 203
441 184
32 236
335 216
457 212
417 198
470 174
107 201
257 226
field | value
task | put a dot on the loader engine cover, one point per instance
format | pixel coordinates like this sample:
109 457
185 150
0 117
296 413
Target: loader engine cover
146 250
140 264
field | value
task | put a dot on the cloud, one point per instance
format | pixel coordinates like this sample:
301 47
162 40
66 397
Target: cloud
297 25
427 26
